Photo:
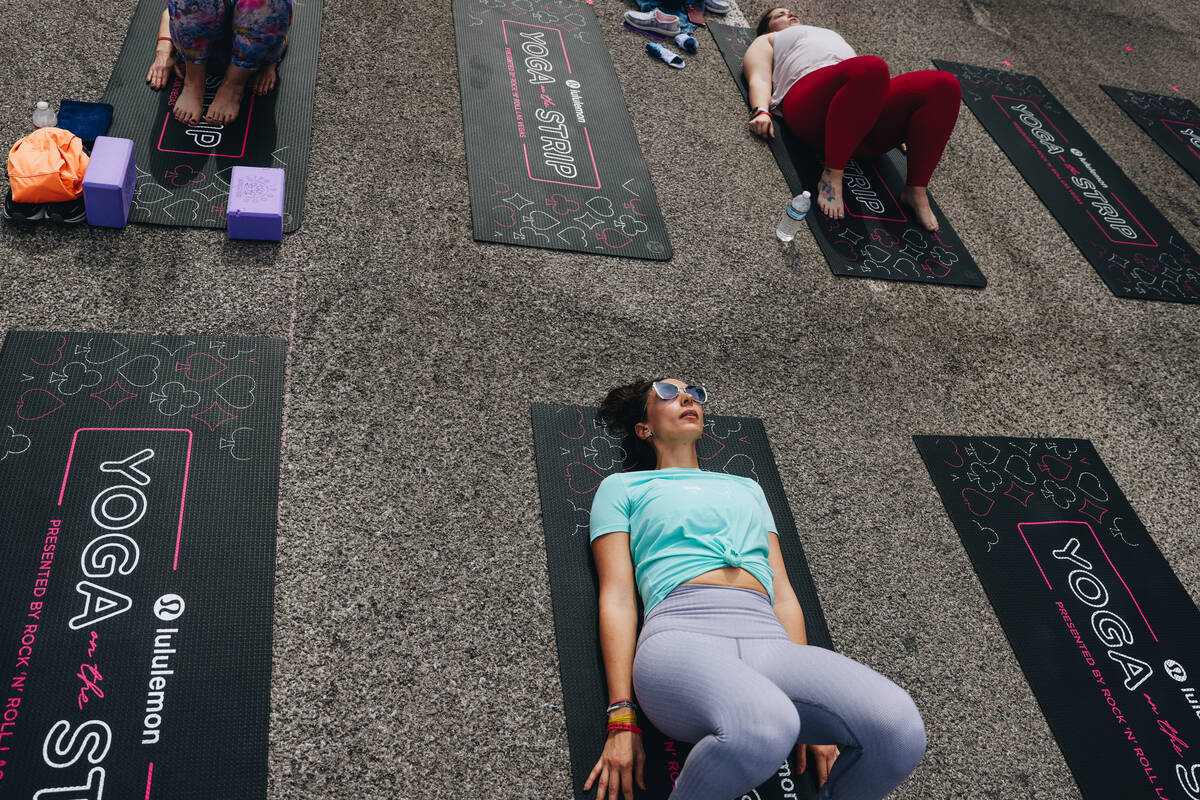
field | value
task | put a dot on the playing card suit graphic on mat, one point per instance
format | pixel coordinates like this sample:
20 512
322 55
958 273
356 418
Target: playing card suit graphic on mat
238 391
141 371
48 349
35 404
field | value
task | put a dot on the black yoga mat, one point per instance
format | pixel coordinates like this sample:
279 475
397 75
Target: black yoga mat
1172 121
1107 636
138 489
877 238
183 172
1135 250
552 157
573 455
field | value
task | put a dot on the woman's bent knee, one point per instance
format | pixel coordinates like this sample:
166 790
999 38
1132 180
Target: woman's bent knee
763 742
906 739
945 85
866 68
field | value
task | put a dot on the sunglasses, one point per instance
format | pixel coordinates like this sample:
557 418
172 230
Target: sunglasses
669 391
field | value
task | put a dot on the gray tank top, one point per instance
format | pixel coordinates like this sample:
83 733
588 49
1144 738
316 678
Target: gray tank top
801 49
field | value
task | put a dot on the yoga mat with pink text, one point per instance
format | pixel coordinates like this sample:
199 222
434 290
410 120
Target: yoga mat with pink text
552 157
1108 637
574 454
1136 251
138 495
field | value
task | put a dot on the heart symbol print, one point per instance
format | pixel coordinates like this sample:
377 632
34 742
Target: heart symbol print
581 478
613 238
506 213
977 502
141 371
200 367
48 349
706 444
35 404
601 205
14 443
238 391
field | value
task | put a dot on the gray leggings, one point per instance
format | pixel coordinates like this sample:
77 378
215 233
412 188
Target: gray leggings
714 666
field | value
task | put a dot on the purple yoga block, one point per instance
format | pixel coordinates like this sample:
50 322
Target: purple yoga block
109 181
255 209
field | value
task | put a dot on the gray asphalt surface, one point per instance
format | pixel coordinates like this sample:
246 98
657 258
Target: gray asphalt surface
414 643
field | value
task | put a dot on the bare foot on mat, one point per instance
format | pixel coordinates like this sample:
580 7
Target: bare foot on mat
227 104
190 103
829 193
265 79
917 199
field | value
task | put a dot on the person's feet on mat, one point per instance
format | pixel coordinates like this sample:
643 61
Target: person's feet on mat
917 199
227 104
190 103
265 79
829 193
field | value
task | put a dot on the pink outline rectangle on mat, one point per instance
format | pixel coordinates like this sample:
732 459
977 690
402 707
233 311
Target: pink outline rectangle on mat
1151 243
1172 130
504 30
149 777
1045 116
1021 530
245 138
882 183
525 147
187 466
595 169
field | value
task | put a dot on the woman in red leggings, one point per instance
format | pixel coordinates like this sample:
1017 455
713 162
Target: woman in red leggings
844 105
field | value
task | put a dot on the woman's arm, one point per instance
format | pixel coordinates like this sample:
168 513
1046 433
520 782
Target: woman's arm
618 611
164 55
787 607
623 759
757 65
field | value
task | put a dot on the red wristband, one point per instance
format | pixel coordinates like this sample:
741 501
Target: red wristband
625 727
165 39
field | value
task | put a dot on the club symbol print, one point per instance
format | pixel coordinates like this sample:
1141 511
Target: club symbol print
169 607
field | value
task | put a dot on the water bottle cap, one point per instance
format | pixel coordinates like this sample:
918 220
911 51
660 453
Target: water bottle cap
805 193
42 104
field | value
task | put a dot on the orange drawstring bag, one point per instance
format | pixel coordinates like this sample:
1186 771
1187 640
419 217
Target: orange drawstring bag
47 166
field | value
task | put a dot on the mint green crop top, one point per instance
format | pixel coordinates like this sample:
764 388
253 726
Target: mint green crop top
685 522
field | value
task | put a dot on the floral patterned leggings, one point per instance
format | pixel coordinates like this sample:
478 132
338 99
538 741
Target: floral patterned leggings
251 32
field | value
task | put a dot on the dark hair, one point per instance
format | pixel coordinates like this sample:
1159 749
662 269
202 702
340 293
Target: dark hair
620 411
764 21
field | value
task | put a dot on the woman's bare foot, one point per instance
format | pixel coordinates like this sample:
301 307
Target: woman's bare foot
190 103
227 103
829 193
917 198
264 79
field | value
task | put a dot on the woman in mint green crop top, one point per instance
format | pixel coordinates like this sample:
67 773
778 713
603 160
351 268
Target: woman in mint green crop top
722 659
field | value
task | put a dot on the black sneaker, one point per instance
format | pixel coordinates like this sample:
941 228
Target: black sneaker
67 211
23 212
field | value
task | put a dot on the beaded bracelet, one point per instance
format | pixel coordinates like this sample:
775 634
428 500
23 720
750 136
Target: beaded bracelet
630 728
623 703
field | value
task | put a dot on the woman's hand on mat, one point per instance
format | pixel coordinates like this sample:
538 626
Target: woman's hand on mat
823 756
623 759
160 70
762 125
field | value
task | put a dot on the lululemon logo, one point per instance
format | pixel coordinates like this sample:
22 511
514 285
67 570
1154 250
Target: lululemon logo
169 607
1175 670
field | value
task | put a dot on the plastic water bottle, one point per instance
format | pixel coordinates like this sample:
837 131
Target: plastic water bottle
793 217
43 115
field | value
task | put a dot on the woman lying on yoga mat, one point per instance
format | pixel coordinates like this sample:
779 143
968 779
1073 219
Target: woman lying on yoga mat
845 105
721 660
246 38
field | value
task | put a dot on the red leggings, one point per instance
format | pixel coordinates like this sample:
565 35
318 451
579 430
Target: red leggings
854 109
